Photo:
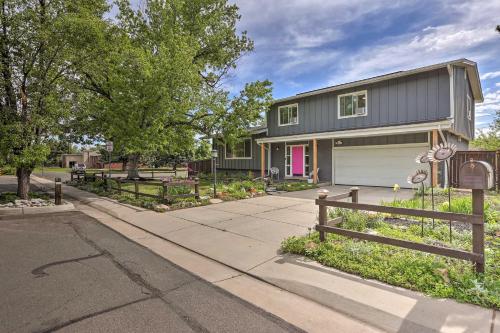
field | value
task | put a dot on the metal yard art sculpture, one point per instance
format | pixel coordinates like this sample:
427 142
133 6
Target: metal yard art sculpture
423 158
419 177
439 153
442 153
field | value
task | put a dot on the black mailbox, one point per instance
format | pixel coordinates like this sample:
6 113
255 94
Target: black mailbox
476 175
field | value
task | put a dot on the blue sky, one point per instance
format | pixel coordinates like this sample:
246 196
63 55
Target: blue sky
302 45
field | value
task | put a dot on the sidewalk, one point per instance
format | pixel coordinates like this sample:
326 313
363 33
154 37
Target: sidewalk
244 236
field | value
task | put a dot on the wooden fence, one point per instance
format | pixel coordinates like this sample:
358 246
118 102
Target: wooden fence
476 219
490 156
163 186
203 166
102 173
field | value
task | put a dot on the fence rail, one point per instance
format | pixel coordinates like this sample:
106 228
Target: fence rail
163 186
476 219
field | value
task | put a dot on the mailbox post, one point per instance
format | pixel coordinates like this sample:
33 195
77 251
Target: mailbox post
477 176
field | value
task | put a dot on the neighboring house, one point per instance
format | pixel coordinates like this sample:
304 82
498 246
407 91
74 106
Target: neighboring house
366 132
90 158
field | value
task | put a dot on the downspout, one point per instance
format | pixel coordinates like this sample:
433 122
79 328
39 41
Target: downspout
441 134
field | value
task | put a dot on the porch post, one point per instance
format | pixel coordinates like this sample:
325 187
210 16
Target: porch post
315 161
262 160
434 164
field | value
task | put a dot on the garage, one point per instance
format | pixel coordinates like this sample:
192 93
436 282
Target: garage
383 165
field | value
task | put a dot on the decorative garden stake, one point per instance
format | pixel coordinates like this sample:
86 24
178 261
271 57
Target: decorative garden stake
424 158
419 177
395 189
439 153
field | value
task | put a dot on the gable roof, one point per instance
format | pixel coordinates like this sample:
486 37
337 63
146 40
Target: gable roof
470 66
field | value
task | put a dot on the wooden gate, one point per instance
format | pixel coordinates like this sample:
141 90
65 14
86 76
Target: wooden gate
490 156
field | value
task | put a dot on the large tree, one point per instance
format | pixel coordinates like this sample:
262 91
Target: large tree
160 82
41 42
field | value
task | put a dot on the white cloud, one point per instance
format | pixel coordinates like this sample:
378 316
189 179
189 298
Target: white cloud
468 35
486 111
299 36
490 75
497 84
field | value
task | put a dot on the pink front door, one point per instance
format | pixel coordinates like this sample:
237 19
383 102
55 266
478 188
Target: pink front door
298 161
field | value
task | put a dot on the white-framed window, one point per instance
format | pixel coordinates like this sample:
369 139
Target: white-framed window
353 104
288 115
469 107
239 150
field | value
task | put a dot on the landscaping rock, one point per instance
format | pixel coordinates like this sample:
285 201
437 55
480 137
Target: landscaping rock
215 201
35 202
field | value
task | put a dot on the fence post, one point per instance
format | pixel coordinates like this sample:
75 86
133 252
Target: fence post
72 175
197 188
323 213
478 229
119 185
165 191
58 192
136 188
102 175
355 194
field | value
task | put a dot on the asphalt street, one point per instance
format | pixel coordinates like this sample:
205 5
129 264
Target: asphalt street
65 272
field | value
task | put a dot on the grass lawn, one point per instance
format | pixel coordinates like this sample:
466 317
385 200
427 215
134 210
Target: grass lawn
52 169
431 274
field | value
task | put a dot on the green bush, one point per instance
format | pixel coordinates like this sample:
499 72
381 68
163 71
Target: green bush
7 170
294 186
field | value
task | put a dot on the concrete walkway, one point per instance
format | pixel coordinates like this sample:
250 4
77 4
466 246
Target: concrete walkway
246 235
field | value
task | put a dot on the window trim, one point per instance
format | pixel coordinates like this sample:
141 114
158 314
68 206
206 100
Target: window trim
279 114
467 105
359 92
239 158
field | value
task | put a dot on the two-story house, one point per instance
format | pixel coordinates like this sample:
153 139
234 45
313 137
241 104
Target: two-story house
366 132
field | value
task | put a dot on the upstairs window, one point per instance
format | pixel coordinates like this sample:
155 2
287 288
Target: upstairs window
469 108
239 150
288 115
352 105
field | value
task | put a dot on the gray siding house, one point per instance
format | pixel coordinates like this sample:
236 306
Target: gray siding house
366 132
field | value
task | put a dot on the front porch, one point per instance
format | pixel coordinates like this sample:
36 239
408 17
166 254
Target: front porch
374 160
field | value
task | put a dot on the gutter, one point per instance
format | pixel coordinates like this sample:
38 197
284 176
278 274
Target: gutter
375 131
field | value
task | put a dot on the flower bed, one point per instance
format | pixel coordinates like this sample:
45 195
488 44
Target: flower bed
294 186
232 191
432 274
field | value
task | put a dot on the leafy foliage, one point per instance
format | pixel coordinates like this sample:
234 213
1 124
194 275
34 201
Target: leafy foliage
158 82
489 140
41 42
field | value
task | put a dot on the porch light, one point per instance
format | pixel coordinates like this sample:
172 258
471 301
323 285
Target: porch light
215 153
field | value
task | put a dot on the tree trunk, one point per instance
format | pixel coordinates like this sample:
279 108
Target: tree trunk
23 182
133 162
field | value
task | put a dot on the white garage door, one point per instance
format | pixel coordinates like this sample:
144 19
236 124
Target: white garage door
376 165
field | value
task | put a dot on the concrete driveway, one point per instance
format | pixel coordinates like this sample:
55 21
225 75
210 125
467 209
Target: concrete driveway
245 233
367 194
